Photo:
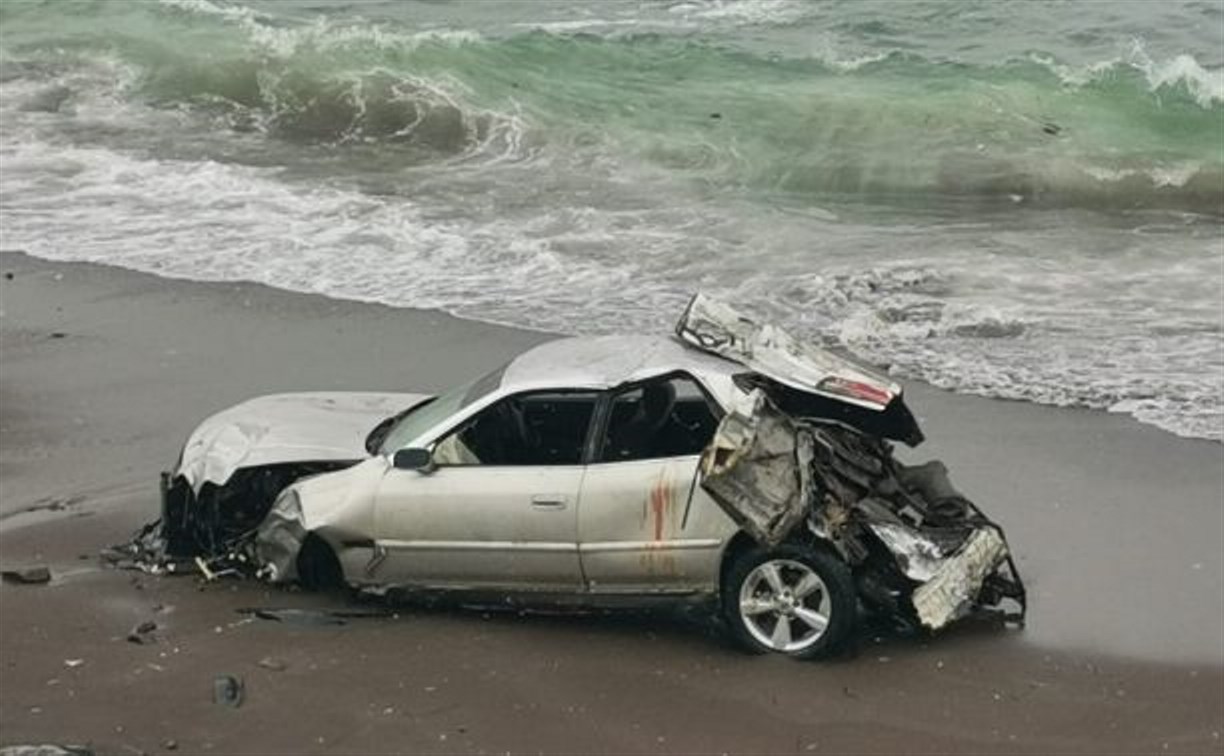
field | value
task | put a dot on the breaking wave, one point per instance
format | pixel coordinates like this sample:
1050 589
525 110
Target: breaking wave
891 127
361 107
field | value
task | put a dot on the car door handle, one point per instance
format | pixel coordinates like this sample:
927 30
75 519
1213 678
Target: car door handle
549 501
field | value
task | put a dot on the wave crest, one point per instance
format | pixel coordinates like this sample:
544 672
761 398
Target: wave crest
299 105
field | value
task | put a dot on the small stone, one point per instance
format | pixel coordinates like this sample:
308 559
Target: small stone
143 633
170 745
228 690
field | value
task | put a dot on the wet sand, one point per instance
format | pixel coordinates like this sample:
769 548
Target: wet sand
1118 529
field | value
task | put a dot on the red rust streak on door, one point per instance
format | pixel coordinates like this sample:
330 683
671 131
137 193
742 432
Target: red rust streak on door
660 500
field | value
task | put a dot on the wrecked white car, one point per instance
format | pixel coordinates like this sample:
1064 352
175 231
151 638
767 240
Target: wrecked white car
730 463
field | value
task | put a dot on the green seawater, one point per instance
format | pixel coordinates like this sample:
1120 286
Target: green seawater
890 121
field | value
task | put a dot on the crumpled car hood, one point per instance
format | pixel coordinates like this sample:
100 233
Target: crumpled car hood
279 428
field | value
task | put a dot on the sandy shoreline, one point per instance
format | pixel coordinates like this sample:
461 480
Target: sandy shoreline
1118 529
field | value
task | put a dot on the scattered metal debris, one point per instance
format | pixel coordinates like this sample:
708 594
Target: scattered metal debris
229 690
315 617
27 575
142 634
299 616
47 749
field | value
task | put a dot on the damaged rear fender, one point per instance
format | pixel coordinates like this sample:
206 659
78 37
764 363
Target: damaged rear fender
943 558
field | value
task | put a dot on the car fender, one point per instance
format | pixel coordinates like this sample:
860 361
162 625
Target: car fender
337 507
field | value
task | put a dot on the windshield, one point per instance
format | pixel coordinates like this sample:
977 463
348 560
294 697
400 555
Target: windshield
425 416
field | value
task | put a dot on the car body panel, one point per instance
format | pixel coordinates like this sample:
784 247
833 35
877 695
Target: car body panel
280 428
645 526
473 526
719 329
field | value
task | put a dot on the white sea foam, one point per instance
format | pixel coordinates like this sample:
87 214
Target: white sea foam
763 12
1174 175
1205 85
320 33
591 270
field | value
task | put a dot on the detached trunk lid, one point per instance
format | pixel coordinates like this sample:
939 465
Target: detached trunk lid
812 381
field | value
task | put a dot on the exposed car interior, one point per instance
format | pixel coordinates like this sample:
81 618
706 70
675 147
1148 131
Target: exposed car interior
667 417
529 429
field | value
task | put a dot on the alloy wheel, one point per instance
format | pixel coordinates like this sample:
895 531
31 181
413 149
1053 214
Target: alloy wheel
785 605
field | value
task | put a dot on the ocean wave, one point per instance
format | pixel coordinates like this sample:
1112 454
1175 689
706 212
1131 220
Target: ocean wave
1180 72
346 107
892 128
579 268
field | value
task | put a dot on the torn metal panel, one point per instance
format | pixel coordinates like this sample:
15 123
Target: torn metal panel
284 428
955 587
280 538
919 557
751 469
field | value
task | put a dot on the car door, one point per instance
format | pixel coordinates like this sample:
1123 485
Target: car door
499 509
644 523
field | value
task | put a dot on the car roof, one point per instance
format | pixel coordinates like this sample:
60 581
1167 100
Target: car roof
601 362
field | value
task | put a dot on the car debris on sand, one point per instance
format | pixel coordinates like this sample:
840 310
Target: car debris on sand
731 465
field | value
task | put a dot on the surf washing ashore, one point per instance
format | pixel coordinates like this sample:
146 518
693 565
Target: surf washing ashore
1016 200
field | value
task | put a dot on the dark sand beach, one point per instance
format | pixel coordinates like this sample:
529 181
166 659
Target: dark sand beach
1117 527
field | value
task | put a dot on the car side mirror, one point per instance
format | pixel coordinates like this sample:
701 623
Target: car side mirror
420 460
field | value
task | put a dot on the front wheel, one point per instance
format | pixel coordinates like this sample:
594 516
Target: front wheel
318 568
793 600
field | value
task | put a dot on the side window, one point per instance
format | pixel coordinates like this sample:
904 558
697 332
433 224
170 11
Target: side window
669 417
546 428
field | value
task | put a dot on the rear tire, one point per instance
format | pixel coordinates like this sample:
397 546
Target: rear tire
318 568
794 600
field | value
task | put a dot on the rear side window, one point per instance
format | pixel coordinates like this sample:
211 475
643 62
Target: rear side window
543 428
668 417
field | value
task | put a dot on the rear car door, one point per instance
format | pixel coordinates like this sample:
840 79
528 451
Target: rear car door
500 508
644 523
